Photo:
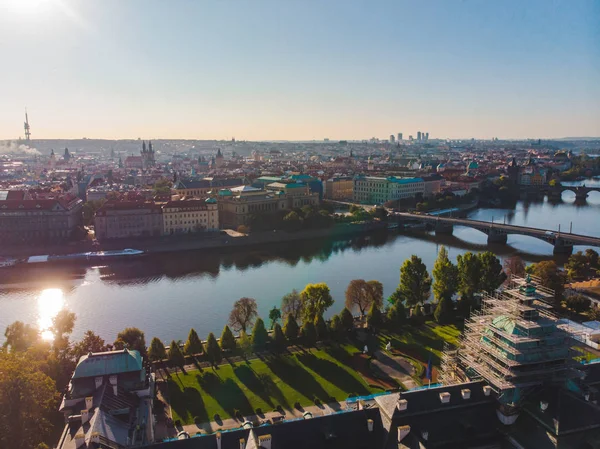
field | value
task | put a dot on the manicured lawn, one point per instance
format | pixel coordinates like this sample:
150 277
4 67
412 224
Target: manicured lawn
422 340
265 384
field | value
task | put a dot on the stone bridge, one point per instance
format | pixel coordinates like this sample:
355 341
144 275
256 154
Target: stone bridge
581 192
497 233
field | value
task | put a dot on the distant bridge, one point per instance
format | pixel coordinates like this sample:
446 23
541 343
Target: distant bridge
497 233
555 192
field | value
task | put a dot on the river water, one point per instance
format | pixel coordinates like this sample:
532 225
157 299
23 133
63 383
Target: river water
167 295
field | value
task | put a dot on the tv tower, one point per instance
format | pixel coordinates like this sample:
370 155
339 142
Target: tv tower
27 127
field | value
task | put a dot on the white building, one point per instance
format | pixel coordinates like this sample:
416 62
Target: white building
377 190
188 216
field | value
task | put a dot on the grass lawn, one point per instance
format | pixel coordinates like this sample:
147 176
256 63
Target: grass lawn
265 384
422 340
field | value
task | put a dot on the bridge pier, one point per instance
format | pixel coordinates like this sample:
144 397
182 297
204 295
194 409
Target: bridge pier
443 228
581 195
495 236
562 247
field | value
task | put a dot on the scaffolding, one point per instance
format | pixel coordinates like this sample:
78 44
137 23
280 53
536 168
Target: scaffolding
514 341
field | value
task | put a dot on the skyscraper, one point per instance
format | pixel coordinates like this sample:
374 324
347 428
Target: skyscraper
418 136
392 138
399 137
427 137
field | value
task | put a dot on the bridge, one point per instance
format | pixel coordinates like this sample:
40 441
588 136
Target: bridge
498 233
555 192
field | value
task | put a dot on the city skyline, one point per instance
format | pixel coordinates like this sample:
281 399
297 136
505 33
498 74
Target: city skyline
300 72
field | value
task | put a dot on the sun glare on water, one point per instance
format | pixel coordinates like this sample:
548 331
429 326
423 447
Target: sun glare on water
50 302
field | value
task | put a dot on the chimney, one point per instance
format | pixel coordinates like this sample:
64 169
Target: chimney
402 432
79 439
95 438
425 435
242 443
370 425
264 441
89 401
98 381
402 404
85 416
445 397
218 438
487 390
115 390
543 405
466 393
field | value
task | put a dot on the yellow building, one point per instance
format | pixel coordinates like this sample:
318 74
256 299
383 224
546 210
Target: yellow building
188 216
339 188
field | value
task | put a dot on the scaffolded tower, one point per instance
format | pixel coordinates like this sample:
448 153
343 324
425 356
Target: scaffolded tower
514 342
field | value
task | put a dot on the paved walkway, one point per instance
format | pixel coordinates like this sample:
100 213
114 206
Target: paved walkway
396 367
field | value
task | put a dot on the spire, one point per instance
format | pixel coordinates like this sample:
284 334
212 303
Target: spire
143 146
219 152
150 146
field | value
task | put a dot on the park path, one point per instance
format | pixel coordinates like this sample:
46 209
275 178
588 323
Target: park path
396 367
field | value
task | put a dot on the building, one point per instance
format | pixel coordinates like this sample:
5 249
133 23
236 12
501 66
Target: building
419 136
147 155
192 188
433 185
108 403
392 139
127 219
399 137
378 190
30 217
339 188
190 216
219 159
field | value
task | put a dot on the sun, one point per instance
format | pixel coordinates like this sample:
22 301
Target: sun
50 302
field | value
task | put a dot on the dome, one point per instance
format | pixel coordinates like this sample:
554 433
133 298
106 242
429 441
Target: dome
473 165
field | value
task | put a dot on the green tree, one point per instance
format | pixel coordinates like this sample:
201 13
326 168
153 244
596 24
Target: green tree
20 336
514 266
347 319
162 186
551 277
245 344
89 343
157 350
336 329
578 303
415 283
592 257
576 266
290 329
279 341
133 338
443 311
361 294
243 313
291 304
193 345
374 317
321 328
175 356
396 315
213 350
445 275
274 316
28 399
469 274
316 299
292 222
259 334
227 339
492 275
309 334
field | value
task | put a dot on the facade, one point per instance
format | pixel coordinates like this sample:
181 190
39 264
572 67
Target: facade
339 188
126 219
433 185
147 155
192 188
378 190
190 216
108 403
38 218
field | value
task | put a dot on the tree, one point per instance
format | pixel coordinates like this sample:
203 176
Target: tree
576 266
279 341
63 323
578 303
492 275
445 274
259 334
347 319
290 329
321 328
514 266
374 317
157 351
175 355
592 257
415 283
550 277
336 329
193 345
245 344
316 299
443 311
243 314
396 315
89 343
20 336
274 316
291 304
27 401
309 334
292 221
361 294
227 339
213 351
133 338
162 186
469 274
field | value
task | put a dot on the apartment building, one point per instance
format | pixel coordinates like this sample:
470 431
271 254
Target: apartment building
378 190
188 216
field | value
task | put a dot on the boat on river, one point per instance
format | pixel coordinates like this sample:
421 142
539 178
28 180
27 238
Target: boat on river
85 258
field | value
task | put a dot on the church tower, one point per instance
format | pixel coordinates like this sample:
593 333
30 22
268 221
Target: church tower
147 155
219 159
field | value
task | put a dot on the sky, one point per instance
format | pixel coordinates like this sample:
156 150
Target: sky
299 69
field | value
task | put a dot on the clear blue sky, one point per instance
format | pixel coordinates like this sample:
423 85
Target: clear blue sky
300 69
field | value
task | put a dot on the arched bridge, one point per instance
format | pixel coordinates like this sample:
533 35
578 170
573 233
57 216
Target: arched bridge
581 192
497 233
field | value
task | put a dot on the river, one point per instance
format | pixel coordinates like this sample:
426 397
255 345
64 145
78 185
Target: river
167 295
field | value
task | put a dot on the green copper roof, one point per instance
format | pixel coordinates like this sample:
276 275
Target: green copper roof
107 363
505 324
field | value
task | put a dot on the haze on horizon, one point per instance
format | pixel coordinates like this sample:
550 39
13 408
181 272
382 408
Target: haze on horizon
272 70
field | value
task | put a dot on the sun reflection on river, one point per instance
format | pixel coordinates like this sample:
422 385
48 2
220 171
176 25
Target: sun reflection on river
50 302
